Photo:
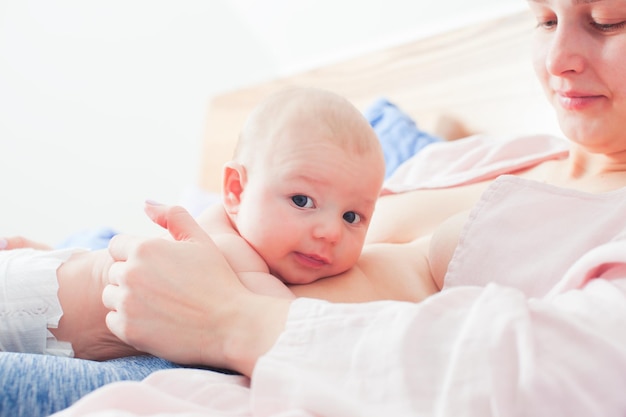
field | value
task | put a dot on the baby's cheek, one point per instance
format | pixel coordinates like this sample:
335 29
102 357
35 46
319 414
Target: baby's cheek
349 256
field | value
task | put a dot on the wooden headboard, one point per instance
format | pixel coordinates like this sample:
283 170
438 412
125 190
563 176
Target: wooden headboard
480 76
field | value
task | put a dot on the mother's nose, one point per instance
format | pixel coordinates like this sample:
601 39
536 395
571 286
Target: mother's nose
565 50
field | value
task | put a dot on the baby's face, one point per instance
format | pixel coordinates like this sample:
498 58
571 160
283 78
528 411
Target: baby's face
306 211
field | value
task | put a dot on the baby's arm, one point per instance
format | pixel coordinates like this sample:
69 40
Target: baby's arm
245 261
250 268
403 271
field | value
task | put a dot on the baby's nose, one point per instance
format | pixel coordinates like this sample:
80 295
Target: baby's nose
328 230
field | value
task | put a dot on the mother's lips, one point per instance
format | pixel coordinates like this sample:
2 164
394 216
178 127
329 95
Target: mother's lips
575 100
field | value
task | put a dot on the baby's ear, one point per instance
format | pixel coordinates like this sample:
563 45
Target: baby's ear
234 180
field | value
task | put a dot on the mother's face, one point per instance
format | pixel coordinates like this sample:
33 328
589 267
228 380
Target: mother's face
580 59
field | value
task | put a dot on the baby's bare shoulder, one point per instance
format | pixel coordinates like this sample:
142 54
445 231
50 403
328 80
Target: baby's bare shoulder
214 220
239 254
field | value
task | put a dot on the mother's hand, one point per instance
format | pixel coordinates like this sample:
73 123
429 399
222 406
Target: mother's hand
181 300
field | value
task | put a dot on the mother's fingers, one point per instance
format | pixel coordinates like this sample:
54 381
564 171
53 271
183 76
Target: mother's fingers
115 298
116 272
111 295
121 246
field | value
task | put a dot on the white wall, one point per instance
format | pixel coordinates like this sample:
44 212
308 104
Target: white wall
102 103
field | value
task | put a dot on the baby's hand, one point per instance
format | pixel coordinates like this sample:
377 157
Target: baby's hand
20 242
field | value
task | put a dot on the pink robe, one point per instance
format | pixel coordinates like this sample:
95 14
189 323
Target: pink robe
529 324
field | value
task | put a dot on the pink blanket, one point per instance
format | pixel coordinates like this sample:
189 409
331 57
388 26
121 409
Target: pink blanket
539 334
476 158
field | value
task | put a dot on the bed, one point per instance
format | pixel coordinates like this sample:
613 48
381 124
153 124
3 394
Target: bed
476 79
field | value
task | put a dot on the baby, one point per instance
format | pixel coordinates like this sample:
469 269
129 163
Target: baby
300 191
298 197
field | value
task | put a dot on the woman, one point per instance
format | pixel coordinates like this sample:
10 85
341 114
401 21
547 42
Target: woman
529 322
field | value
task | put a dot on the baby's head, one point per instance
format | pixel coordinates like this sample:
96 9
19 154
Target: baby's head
303 183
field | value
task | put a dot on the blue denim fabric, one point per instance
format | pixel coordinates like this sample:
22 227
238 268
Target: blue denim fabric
39 385
92 239
398 133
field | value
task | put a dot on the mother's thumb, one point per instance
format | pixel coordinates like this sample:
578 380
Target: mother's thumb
180 224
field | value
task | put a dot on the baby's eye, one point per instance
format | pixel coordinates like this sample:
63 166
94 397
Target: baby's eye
351 217
302 201
547 24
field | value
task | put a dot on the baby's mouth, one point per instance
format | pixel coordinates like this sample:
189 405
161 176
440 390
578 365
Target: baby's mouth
311 260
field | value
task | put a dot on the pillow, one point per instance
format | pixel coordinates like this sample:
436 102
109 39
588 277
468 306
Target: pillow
398 133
